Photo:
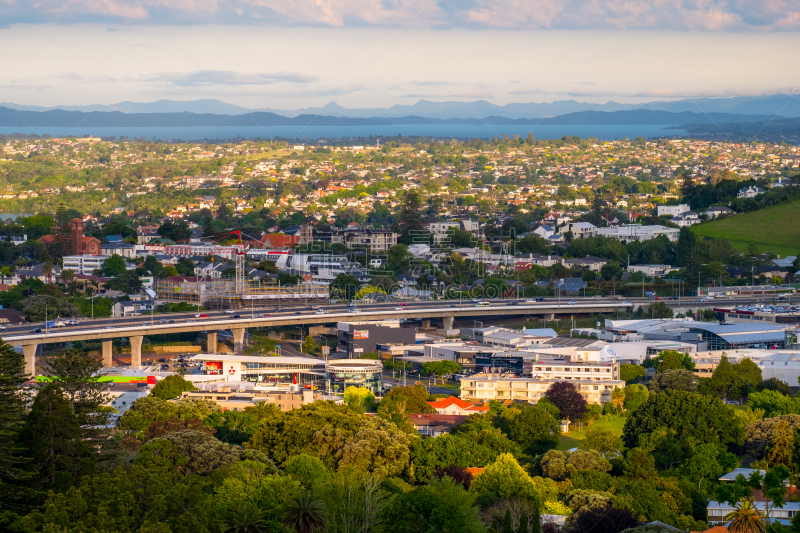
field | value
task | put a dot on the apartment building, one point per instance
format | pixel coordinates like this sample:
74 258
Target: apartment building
573 371
238 400
373 240
83 264
531 390
637 232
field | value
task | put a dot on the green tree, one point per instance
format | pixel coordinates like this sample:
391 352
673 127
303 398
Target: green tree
46 307
630 373
414 397
408 216
399 259
306 470
114 266
635 395
682 380
171 387
779 452
305 513
360 398
52 437
506 478
13 400
606 442
187 452
441 506
309 345
441 368
534 428
246 518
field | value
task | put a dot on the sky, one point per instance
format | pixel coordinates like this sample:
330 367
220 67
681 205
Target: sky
291 54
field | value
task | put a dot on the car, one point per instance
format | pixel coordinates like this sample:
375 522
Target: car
572 302
265 315
109 327
170 321
279 308
531 301
200 315
164 367
190 321
620 297
320 311
297 313
236 316
162 321
400 308
36 330
2 326
162 360
704 299
656 297
513 302
451 306
354 310
626 302
230 311
72 322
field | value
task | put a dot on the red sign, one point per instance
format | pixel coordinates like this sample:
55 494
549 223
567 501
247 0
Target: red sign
232 370
151 380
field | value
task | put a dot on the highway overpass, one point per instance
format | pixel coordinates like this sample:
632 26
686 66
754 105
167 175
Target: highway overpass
136 328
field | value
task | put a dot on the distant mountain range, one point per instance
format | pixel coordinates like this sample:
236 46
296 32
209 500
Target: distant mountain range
110 119
779 104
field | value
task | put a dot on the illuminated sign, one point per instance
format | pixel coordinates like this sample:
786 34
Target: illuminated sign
361 334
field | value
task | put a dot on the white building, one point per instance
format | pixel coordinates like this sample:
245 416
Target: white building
672 209
750 192
493 387
582 230
83 264
637 232
652 270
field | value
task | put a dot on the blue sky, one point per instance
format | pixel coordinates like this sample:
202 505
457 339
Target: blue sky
364 53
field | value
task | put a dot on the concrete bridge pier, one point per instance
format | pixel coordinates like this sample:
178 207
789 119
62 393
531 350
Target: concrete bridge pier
549 316
108 362
447 323
426 323
211 342
238 339
136 351
29 351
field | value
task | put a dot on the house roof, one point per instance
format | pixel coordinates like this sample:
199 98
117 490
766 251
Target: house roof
442 403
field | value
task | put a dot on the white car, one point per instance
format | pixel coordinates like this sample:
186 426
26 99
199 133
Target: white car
626 302
573 302
320 311
230 311
530 301
354 310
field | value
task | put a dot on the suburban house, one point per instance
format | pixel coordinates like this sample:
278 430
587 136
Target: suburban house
688 218
123 309
750 192
717 210
592 263
456 406
544 231
582 230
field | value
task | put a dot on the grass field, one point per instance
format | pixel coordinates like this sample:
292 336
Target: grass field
609 423
773 229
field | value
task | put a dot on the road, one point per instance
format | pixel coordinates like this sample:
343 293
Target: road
485 312
410 380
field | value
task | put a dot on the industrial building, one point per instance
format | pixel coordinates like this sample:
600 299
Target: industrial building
733 336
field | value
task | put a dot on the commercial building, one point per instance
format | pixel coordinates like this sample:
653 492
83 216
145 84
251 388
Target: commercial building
285 373
266 371
761 314
733 336
232 399
343 373
488 387
356 338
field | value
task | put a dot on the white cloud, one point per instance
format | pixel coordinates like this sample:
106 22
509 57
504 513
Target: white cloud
706 15
226 77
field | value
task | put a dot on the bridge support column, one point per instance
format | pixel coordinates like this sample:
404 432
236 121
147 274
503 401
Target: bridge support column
447 322
549 316
211 342
136 351
426 323
238 339
108 362
29 351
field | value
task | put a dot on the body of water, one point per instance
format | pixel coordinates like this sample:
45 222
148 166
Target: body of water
13 216
460 131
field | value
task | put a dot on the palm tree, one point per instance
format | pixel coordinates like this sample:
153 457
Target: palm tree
47 271
305 514
745 519
246 518
263 410
67 276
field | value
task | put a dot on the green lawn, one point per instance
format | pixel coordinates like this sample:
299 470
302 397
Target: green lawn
609 423
773 229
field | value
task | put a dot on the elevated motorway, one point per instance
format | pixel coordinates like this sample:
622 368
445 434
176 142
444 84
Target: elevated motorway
136 329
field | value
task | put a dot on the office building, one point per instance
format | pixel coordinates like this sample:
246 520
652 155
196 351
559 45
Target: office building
357 338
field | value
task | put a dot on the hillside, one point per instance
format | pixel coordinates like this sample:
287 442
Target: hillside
775 229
